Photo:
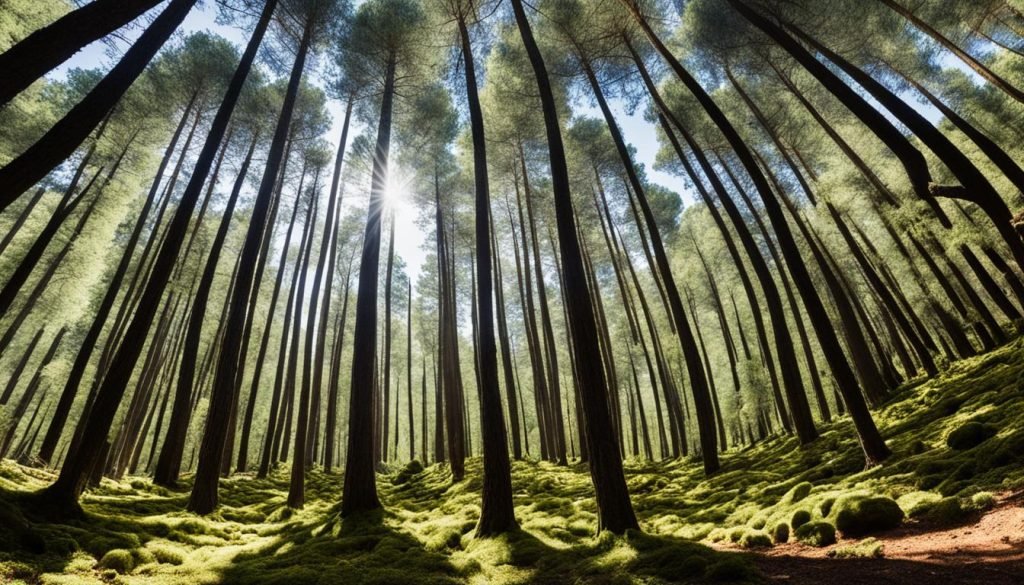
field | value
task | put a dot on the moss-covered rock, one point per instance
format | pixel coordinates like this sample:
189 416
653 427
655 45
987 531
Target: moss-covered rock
728 570
946 512
797 493
816 533
780 534
970 434
119 560
800 517
755 539
869 548
857 516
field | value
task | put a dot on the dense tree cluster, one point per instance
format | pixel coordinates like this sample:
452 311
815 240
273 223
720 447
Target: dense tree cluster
196 279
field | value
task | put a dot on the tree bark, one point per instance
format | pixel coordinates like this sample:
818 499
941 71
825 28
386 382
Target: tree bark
872 443
360 488
68 133
46 48
615 511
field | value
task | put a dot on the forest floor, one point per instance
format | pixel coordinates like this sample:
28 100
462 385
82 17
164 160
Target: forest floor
945 508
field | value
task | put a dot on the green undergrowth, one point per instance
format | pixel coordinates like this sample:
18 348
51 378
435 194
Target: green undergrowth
765 495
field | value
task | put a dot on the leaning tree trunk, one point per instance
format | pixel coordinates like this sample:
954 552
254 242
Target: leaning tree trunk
792 382
871 440
977 66
385 426
64 137
691 353
45 49
12 382
974 186
22 217
332 394
615 511
204 492
297 487
169 464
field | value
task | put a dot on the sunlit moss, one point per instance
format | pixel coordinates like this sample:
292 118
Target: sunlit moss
426 533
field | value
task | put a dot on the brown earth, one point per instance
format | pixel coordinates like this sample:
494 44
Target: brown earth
988 550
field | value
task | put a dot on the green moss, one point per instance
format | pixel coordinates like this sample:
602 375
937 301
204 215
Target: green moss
970 434
780 534
411 469
119 560
869 548
797 493
800 517
728 570
864 515
916 503
816 534
945 512
167 553
755 539
424 535
982 501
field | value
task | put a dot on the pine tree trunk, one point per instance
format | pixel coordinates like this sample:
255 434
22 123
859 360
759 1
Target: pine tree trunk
615 511
297 487
360 488
12 382
20 221
169 464
386 370
504 344
332 394
46 48
872 443
698 379
553 392
30 391
975 65
67 134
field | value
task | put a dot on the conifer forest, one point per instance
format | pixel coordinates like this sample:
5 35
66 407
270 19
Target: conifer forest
508 292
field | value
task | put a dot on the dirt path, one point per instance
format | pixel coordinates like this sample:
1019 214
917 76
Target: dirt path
988 551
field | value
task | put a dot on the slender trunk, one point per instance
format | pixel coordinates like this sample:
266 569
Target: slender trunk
872 443
12 382
297 489
698 379
46 48
30 391
169 464
360 488
615 511
332 394
504 344
22 217
977 66
68 133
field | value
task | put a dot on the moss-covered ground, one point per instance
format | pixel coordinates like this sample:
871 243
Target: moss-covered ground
940 474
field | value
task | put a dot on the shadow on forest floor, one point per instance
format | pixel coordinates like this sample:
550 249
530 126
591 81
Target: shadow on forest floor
958 444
